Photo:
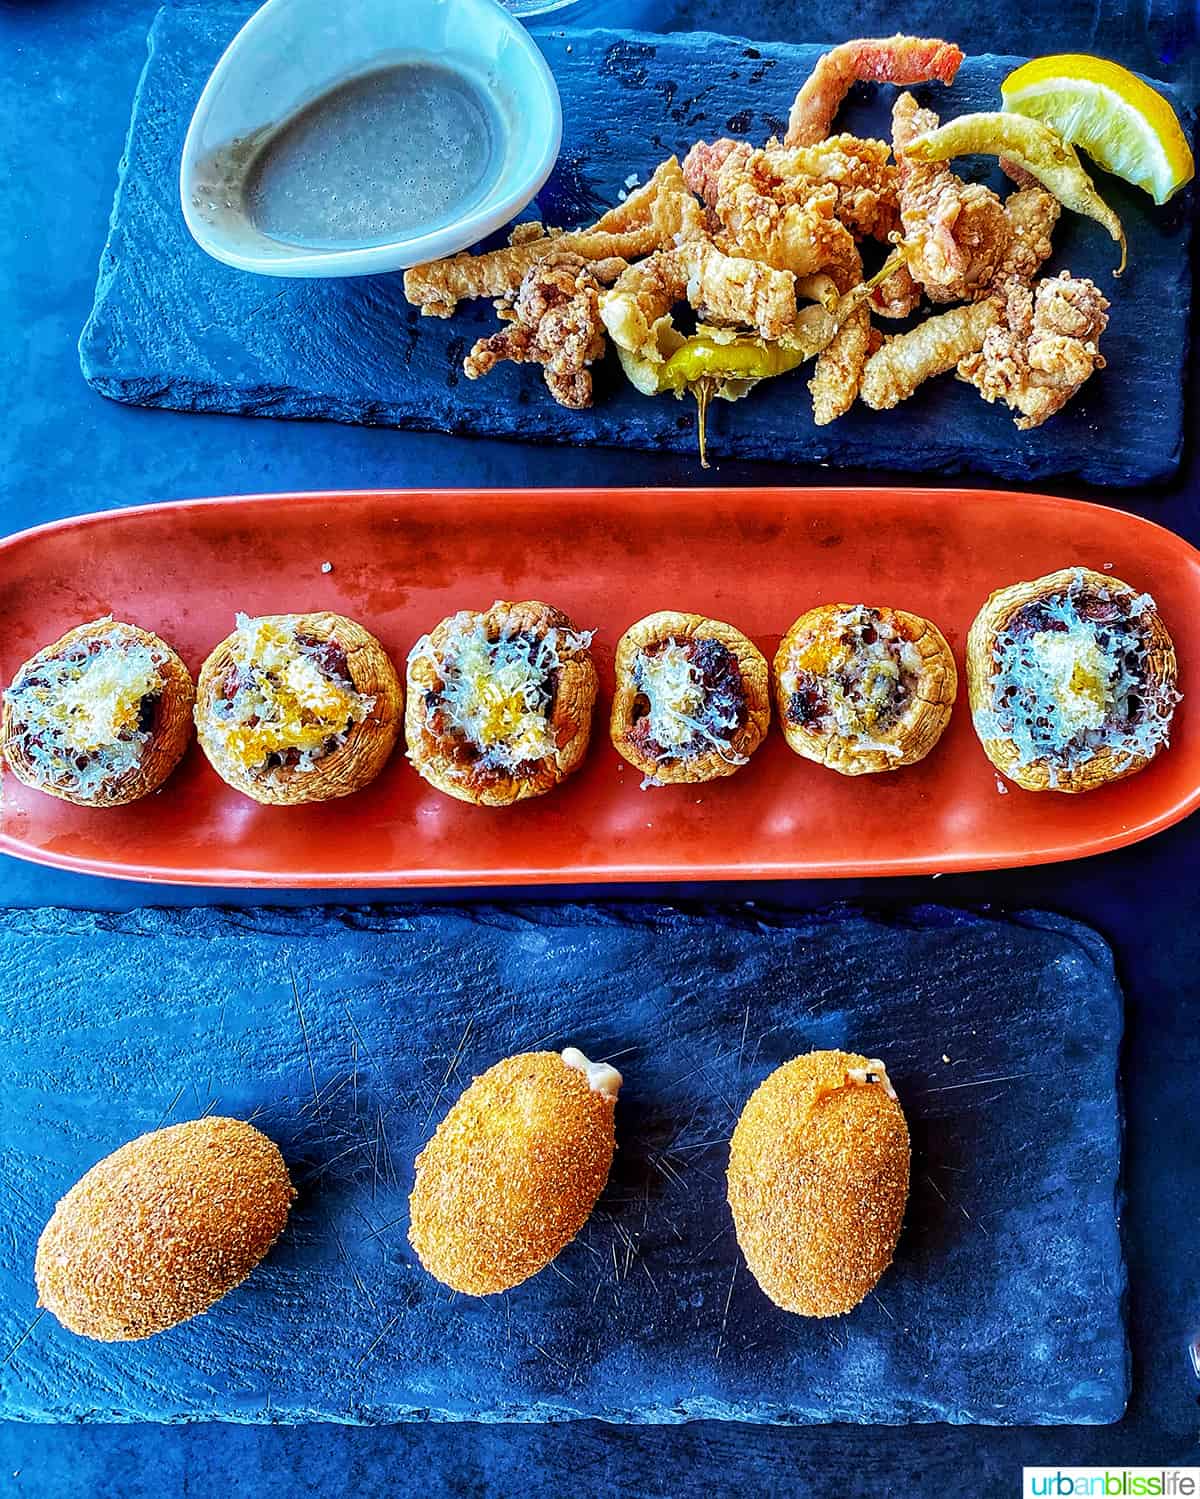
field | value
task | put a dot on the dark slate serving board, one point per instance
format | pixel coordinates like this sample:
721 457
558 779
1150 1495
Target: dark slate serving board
1004 1305
171 327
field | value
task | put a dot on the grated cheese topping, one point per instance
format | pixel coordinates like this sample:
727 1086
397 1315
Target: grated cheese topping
283 700
1077 685
684 717
77 716
866 668
498 694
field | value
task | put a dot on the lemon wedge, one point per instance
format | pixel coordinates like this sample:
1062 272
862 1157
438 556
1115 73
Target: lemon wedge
1122 123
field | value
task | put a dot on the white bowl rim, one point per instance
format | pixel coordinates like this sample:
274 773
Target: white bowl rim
394 255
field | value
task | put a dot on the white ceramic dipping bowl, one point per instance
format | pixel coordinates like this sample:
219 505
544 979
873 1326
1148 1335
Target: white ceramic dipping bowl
292 51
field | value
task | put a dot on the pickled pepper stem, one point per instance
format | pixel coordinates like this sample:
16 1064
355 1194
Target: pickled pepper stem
703 390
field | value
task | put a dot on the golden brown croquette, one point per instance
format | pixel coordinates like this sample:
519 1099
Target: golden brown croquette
514 1170
818 1179
162 1228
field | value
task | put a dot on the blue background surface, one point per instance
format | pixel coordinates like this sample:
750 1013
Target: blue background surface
68 69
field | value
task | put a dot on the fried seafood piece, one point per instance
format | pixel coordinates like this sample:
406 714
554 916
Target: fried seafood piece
957 232
790 226
1035 150
839 368
903 60
818 1181
931 348
703 163
1032 214
514 1170
658 215
1043 347
556 323
722 288
861 170
938 344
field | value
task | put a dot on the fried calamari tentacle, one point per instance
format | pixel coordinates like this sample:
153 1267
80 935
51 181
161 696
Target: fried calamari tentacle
1045 344
656 216
839 367
904 60
931 348
956 231
556 324
1030 145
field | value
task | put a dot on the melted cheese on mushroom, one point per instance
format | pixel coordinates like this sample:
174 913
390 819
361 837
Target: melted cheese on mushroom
79 714
282 699
1062 694
498 693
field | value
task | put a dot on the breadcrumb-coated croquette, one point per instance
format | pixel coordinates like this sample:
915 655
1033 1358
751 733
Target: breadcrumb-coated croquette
514 1170
162 1228
818 1179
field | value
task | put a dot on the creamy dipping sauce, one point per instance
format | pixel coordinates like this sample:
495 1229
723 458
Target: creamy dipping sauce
403 147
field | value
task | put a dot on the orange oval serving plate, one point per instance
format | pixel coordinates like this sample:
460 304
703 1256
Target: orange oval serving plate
755 557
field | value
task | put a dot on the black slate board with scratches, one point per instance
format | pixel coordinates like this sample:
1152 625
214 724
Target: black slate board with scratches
170 327
1005 1301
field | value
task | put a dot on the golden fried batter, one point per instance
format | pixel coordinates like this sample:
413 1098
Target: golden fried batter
514 1170
897 59
860 170
839 368
722 289
658 215
1043 348
957 232
931 348
556 324
162 1228
818 1180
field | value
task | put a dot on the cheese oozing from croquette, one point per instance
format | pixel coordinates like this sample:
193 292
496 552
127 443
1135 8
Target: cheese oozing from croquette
874 1073
282 699
499 694
601 1077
